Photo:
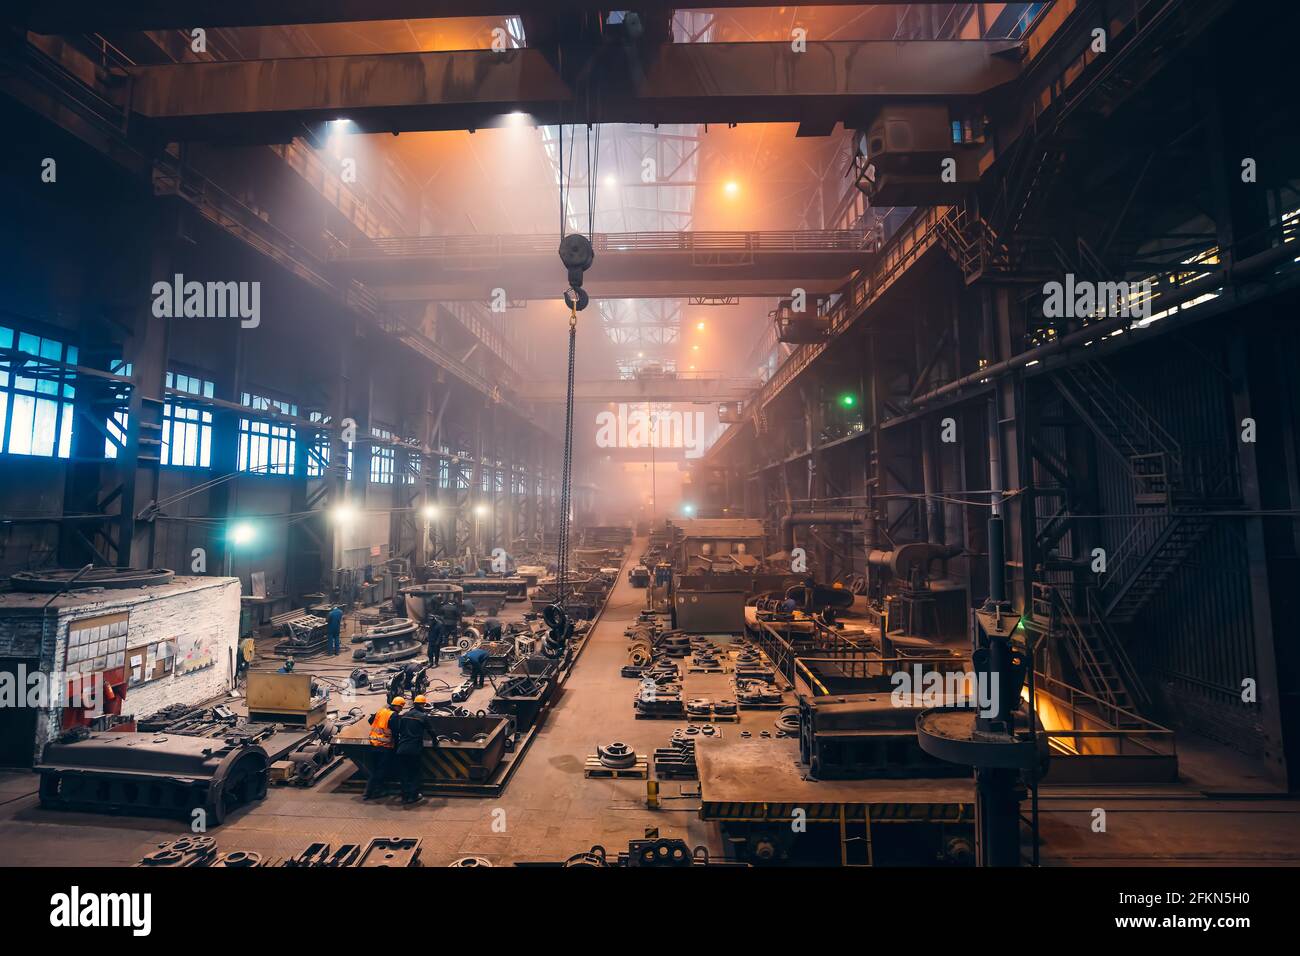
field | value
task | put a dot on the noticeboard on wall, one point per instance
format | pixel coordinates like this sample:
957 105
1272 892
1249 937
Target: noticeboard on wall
96 644
149 662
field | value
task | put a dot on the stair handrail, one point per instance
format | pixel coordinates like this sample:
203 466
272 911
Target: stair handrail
1128 674
1082 655
1143 555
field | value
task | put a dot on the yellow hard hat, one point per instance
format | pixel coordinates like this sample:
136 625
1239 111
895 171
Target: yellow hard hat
399 701
420 699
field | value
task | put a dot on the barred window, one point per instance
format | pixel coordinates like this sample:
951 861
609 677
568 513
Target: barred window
187 428
266 447
382 458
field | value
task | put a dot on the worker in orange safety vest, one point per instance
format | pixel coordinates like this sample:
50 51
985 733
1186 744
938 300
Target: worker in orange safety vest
381 747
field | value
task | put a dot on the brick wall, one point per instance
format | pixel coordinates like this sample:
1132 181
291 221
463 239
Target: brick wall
207 607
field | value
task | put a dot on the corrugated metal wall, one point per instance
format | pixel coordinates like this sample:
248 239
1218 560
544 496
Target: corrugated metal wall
1193 642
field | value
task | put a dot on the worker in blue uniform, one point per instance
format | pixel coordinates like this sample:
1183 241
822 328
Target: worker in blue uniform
476 661
333 624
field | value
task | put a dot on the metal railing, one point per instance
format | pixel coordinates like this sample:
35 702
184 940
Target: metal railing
371 218
1131 734
1125 418
913 239
830 240
814 669
474 317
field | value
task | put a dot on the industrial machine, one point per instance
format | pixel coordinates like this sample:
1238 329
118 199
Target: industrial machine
860 736
800 327
914 154
466 749
1003 741
154 774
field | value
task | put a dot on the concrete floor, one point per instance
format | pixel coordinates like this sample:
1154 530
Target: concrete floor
550 810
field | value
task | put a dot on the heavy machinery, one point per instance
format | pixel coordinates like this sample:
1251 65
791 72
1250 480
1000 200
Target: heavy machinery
917 154
1002 741
154 774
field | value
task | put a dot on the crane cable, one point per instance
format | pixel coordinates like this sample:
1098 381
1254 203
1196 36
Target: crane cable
566 478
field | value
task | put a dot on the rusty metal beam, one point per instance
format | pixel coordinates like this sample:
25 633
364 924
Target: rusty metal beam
81 16
274 100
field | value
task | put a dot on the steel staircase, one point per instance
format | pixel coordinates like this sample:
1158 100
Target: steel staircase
1045 164
1118 420
981 253
1175 544
1099 660
1169 529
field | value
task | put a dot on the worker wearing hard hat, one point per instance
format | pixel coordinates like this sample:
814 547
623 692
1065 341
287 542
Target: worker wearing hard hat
412 725
382 746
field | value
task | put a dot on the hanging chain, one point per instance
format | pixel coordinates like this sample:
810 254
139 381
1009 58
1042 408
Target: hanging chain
566 479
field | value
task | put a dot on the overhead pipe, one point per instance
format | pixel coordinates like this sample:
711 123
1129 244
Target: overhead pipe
1199 286
997 558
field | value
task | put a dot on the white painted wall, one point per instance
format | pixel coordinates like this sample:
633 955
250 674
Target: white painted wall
203 605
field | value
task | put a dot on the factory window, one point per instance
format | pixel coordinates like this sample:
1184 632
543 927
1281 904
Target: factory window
116 425
382 458
411 467
318 451
444 473
266 447
187 428
318 454
36 409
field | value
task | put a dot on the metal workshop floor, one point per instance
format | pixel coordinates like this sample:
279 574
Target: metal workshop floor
551 811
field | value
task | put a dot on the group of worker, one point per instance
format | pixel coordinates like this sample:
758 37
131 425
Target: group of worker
397 737
398 731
